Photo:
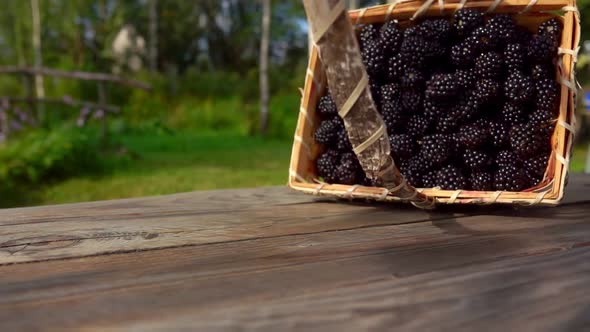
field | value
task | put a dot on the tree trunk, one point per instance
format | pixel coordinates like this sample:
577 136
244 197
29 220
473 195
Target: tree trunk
39 88
264 45
153 36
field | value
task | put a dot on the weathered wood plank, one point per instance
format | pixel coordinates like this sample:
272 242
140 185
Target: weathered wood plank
66 231
452 274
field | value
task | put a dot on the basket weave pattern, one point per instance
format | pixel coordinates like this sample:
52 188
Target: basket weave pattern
302 173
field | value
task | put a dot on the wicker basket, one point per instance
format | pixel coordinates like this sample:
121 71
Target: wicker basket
302 175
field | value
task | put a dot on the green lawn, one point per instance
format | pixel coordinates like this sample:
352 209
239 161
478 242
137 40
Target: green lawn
175 163
183 162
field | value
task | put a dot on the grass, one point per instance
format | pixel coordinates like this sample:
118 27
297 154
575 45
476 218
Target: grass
165 164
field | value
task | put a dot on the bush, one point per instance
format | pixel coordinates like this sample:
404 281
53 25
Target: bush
39 155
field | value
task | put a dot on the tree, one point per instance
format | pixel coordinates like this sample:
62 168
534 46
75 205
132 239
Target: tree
153 40
37 55
264 45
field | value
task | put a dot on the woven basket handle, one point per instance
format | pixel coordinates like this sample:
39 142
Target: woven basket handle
333 34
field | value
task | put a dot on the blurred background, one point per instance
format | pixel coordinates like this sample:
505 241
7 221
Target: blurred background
104 99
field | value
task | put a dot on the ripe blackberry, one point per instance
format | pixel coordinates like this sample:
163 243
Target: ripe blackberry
537 166
514 57
541 71
327 106
442 87
451 178
369 33
414 51
551 28
349 169
486 39
412 173
395 68
437 148
512 113
403 146
518 88
411 101
465 78
522 36
541 117
528 141
468 107
438 30
499 134
489 65
486 90
447 123
542 48
506 158
434 109
510 178
502 27
392 37
463 54
375 88
374 58
476 160
342 141
326 132
390 93
395 119
429 180
326 165
472 136
412 79
417 125
466 21
481 181
547 92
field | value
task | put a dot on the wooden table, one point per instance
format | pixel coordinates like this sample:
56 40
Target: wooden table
271 259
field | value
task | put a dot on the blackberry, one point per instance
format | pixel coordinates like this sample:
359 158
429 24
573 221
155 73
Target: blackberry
327 106
411 101
375 93
434 109
437 148
395 120
528 141
514 57
551 28
412 79
392 37
326 165
465 78
489 65
499 134
522 36
481 181
463 54
542 71
541 117
451 178
374 58
342 141
486 90
547 92
542 48
326 132
429 180
468 107
395 68
506 158
466 21
438 30
512 113
414 51
442 87
510 178
412 173
502 28
349 169
447 123
390 93
369 33
518 88
476 160
403 146
486 39
472 136
537 166
417 125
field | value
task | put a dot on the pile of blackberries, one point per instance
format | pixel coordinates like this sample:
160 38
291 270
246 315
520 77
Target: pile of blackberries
469 102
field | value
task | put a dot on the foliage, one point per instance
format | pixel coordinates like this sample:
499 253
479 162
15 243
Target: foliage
40 156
